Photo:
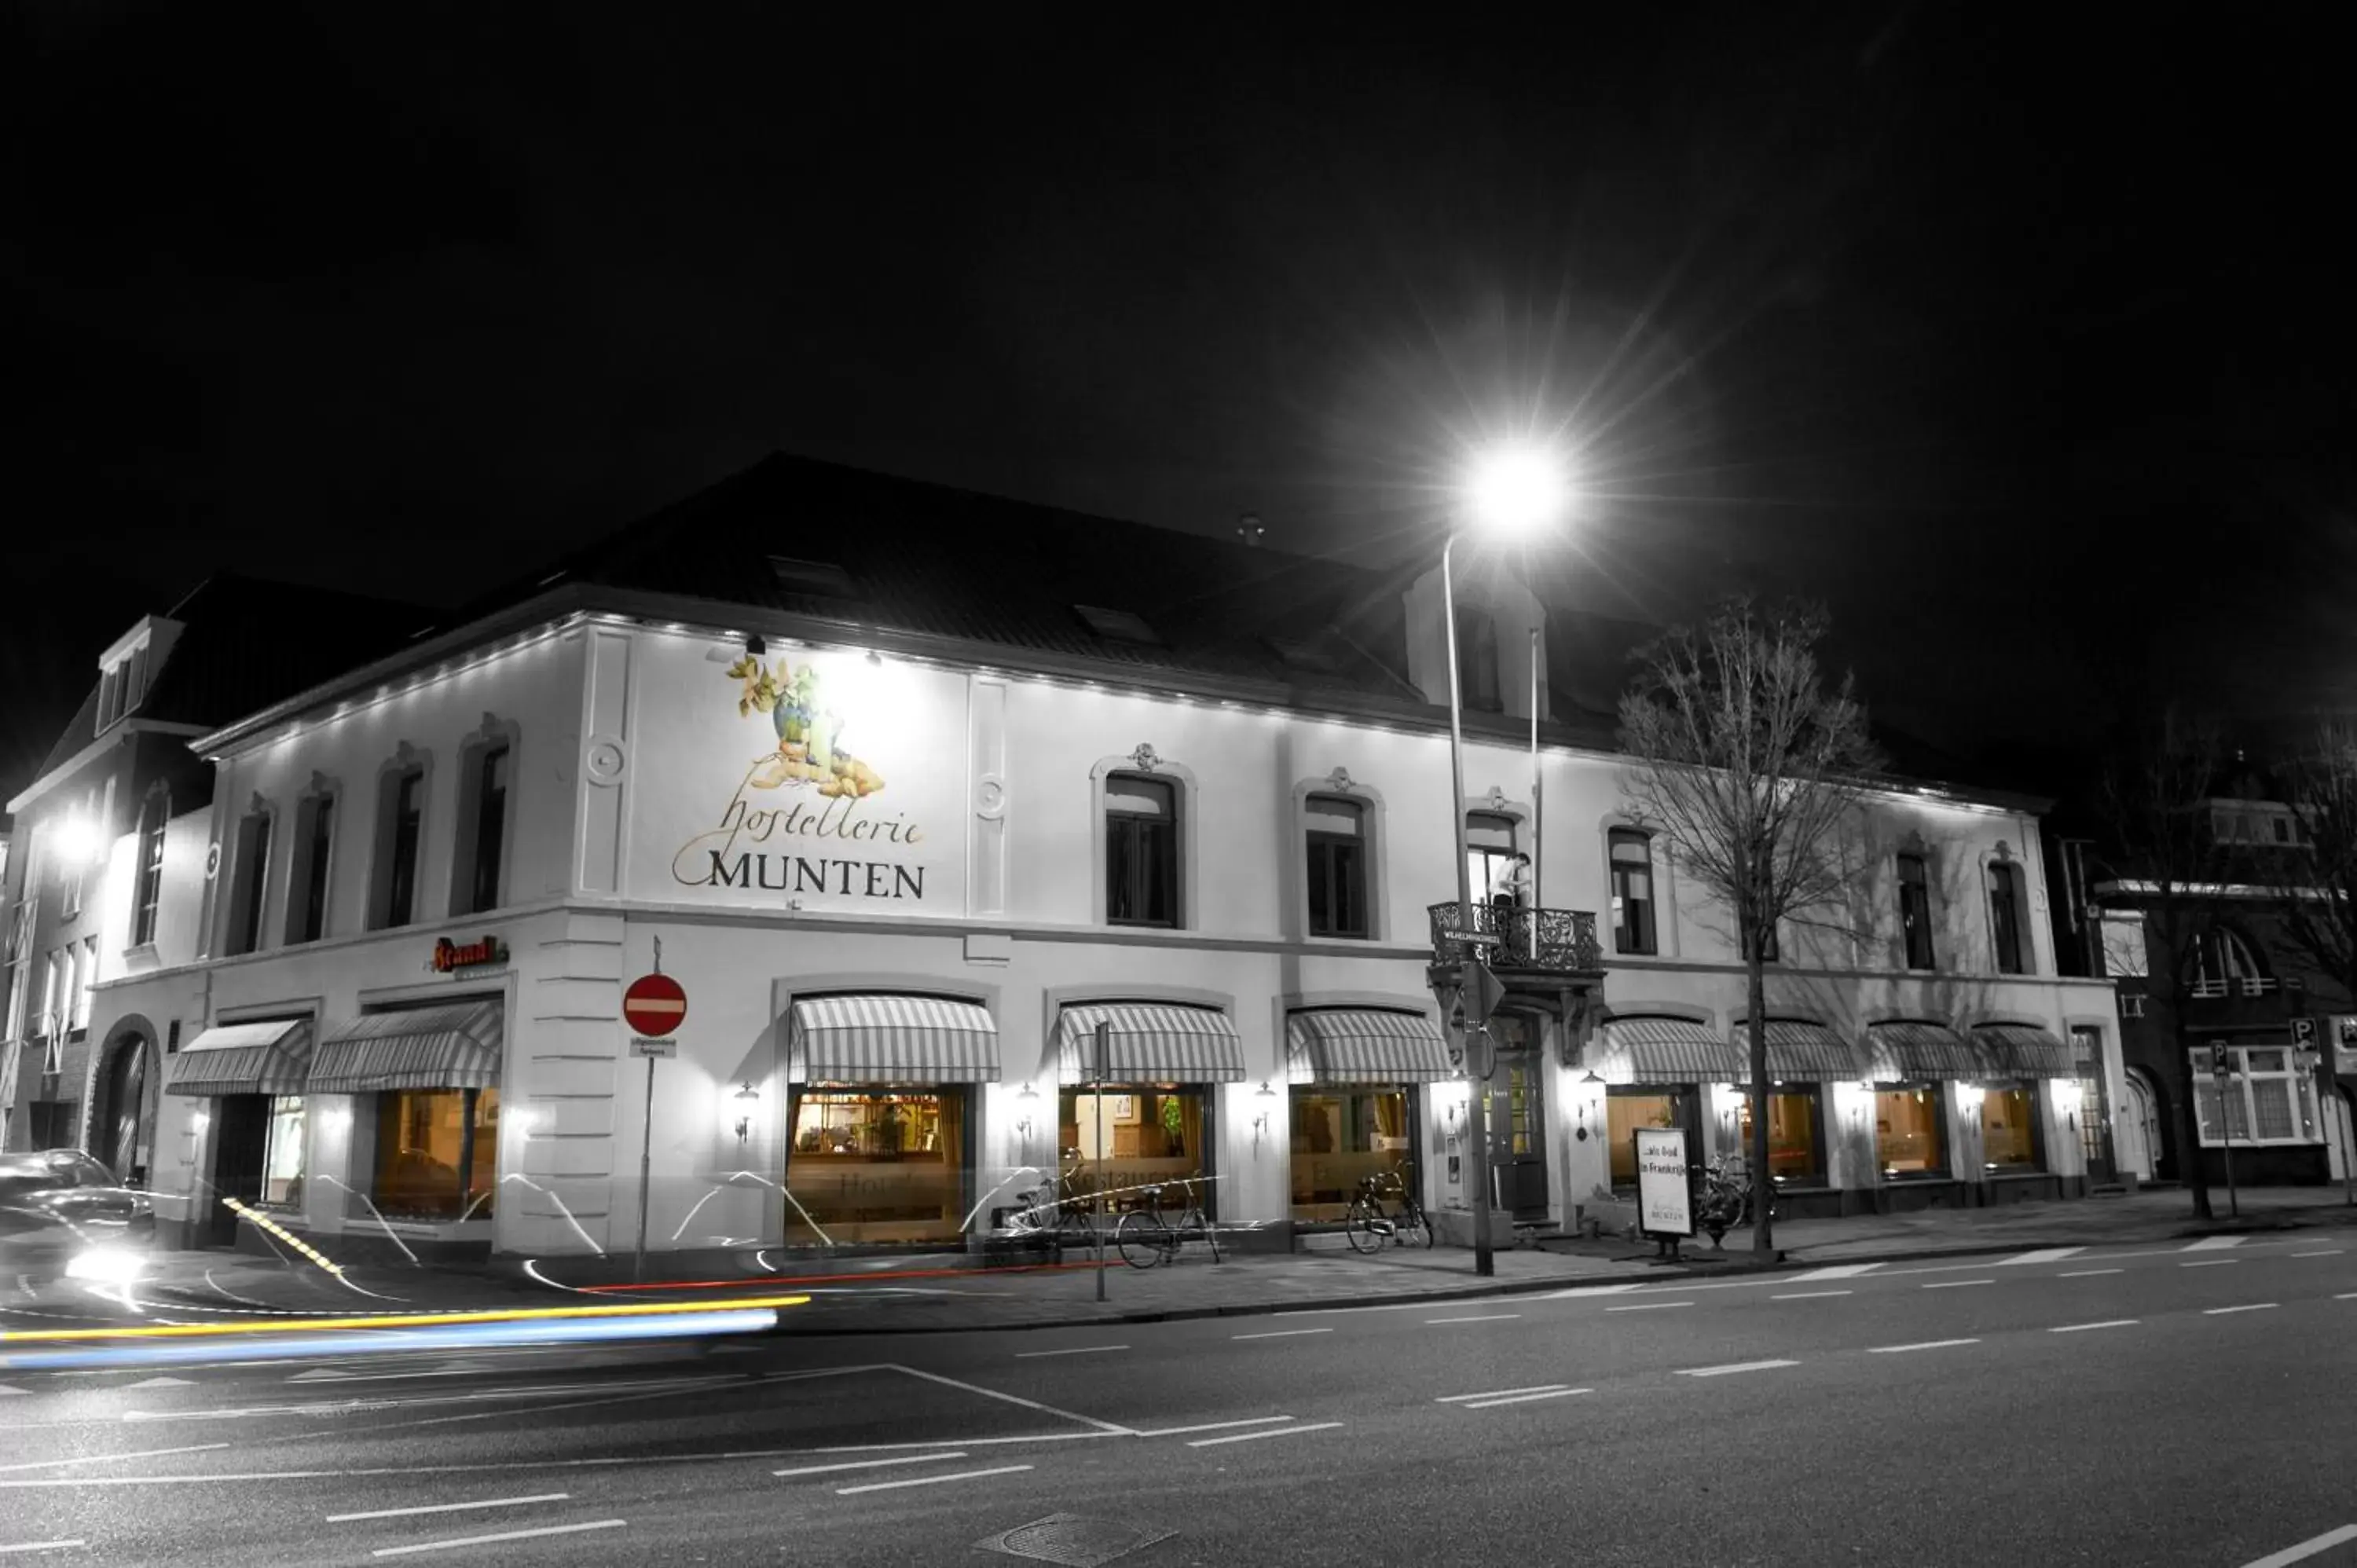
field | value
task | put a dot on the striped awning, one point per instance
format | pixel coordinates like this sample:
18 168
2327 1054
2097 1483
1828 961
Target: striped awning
884 1037
1803 1051
451 1045
1148 1042
2024 1051
270 1058
1903 1053
1663 1051
1363 1045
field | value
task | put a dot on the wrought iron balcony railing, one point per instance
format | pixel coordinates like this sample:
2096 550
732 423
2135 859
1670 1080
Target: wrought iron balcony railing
1559 939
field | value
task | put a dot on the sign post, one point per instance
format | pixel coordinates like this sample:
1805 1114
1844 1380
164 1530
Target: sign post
654 1006
1664 1187
2220 1069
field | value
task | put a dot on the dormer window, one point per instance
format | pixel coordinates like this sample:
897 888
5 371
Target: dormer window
1116 626
123 675
815 579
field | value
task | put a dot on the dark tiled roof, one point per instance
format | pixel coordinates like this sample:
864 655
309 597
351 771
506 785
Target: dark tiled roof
246 644
929 561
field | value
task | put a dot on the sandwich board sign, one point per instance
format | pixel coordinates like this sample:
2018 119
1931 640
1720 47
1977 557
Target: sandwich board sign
1664 1195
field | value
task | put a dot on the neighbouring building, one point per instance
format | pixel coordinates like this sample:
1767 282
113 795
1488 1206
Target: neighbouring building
116 816
931 800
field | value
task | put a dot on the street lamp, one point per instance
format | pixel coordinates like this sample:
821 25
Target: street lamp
1510 490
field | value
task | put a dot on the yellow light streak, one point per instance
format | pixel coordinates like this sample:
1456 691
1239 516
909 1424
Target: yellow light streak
399 1320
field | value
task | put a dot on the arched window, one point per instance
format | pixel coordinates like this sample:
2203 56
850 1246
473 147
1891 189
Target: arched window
1140 828
2008 933
1633 892
2222 964
1915 910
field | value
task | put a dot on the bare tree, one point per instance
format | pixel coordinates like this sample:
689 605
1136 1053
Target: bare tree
1749 766
2319 915
2155 801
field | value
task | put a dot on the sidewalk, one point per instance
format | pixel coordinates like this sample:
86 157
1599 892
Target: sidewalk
937 1295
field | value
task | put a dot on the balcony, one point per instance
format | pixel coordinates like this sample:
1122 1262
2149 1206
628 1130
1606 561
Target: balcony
1528 941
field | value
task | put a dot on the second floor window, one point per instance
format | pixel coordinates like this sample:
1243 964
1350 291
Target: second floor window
150 892
1489 851
486 830
1337 832
1141 830
1915 910
248 891
315 841
1477 659
2222 964
398 841
2006 930
1633 892
88 980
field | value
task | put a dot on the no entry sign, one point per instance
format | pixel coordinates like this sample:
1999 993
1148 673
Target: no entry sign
654 1005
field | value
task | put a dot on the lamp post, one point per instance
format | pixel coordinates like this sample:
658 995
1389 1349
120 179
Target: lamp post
1511 489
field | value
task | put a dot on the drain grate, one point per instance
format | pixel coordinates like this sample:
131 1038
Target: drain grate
1073 1541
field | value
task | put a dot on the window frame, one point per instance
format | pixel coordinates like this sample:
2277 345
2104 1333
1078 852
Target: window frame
2301 1084
2009 917
1136 825
387 870
147 882
311 876
2038 1162
1615 839
1360 847
472 1154
1942 1108
249 888
496 741
1915 912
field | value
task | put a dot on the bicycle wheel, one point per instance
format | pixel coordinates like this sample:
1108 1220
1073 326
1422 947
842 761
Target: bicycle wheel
1359 1226
1413 1224
1210 1234
1144 1237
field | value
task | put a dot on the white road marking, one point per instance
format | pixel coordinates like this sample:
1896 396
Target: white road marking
2255 1306
1839 1272
869 1463
503 1535
101 1458
1525 1398
1925 1345
2043 1255
452 1508
2210 1263
1648 1305
1578 1291
1215 1426
2213 1243
1011 1399
1484 1318
1736 1367
1953 1285
1809 1294
1074 1350
45 1545
2308 1548
1280 1332
1271 1431
5 1389
159 1384
2324 1252
1501 1393
2346 1295
2088 1273
329 1375
929 1480
2082 1328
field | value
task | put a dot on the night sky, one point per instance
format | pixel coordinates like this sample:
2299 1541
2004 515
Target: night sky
2026 344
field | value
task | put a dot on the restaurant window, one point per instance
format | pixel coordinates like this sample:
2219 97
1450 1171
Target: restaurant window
2009 1126
249 890
1795 1134
1628 1110
2267 1099
436 1150
400 825
876 1163
282 1154
1140 828
484 780
148 895
1632 891
1335 829
1911 1137
1915 910
315 842
1149 1134
1341 1135
2006 929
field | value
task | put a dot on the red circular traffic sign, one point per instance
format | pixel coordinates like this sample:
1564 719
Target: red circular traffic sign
654 1005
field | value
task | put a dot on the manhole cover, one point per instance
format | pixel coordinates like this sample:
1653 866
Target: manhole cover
1073 1541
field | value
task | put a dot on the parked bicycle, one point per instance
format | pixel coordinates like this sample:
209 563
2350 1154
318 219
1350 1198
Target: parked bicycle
1058 1207
1146 1236
1368 1225
1724 1203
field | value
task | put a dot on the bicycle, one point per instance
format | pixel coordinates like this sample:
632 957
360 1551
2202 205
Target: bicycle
1057 1208
1366 1225
1147 1237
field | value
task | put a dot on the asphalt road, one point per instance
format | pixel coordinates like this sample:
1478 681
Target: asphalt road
2162 1406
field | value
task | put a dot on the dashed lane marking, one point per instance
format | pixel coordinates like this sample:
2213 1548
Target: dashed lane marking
1280 1334
931 1480
2253 1306
1839 1272
2087 1273
2308 1548
2042 1255
1483 1317
2210 1263
1525 1398
2213 1244
1736 1367
1924 1345
1954 1284
1213 1426
503 1535
452 1508
45 1545
1648 1305
1271 1431
1071 1350
2322 1252
103 1458
1578 1291
2083 1327
869 1464
1502 1393
1809 1294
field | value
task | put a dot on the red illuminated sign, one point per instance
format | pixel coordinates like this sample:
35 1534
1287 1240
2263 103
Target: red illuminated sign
449 955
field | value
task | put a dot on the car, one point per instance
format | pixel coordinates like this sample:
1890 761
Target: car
65 1216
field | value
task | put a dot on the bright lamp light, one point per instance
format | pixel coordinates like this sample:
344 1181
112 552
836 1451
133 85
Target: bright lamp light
1516 489
77 840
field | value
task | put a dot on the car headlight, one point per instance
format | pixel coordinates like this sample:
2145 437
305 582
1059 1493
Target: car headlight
104 1265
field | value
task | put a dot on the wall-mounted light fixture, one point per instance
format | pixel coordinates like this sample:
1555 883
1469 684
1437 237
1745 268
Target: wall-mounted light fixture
1260 1118
1025 1097
746 1097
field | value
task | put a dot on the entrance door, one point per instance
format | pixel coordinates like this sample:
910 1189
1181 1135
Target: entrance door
241 1138
123 1097
1516 1111
2146 1112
